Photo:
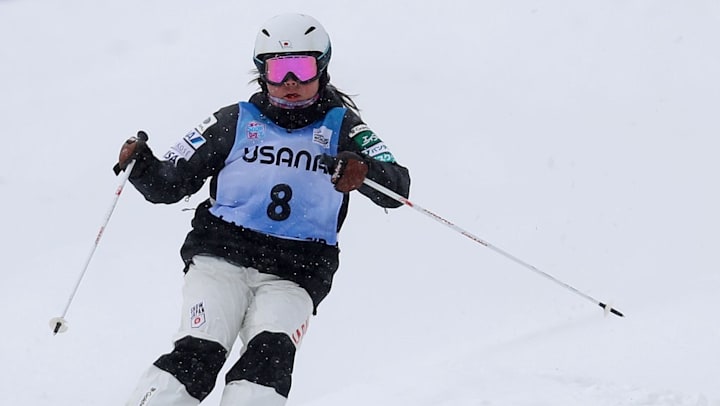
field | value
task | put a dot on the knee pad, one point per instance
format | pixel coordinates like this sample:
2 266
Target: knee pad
268 361
195 363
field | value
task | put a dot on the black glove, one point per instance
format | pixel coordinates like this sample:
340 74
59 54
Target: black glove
131 150
347 170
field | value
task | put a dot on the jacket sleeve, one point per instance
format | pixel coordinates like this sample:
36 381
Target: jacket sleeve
184 168
357 137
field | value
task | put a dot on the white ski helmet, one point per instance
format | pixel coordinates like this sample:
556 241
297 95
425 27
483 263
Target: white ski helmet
292 34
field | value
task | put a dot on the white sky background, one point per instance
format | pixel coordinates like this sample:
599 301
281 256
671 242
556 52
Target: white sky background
578 136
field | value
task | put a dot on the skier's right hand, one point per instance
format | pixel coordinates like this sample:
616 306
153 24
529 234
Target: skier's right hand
131 150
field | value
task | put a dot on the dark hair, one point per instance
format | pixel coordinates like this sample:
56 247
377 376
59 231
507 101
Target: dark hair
346 99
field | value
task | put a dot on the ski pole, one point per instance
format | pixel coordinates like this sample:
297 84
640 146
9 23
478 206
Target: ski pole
59 324
380 188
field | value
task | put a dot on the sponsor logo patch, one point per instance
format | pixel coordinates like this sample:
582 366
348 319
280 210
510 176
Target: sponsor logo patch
358 129
255 130
195 139
368 138
197 315
322 136
385 157
185 148
202 127
181 149
376 149
363 136
370 143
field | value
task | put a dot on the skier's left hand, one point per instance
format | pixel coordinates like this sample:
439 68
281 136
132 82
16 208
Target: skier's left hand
348 171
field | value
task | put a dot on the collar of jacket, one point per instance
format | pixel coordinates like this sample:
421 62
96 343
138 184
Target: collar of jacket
296 118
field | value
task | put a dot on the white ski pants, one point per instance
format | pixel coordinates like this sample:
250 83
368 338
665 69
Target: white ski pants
223 301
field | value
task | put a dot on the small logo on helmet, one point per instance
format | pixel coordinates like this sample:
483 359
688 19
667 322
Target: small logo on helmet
285 44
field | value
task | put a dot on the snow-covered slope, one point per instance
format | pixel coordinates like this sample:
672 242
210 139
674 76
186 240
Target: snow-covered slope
579 136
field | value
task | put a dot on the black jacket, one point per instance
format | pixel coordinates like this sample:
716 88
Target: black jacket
310 264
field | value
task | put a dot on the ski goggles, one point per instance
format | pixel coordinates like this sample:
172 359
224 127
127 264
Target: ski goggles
302 67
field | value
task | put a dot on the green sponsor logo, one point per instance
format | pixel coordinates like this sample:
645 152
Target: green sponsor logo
385 157
366 139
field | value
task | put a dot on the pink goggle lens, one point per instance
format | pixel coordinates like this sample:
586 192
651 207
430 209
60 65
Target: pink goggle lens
303 67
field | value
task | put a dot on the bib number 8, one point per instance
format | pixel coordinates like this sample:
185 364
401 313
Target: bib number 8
279 208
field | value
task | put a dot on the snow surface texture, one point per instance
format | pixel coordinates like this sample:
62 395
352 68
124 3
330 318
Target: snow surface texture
581 137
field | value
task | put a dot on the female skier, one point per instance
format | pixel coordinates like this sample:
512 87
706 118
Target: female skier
263 247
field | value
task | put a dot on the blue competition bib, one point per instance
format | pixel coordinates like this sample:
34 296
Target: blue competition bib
273 181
